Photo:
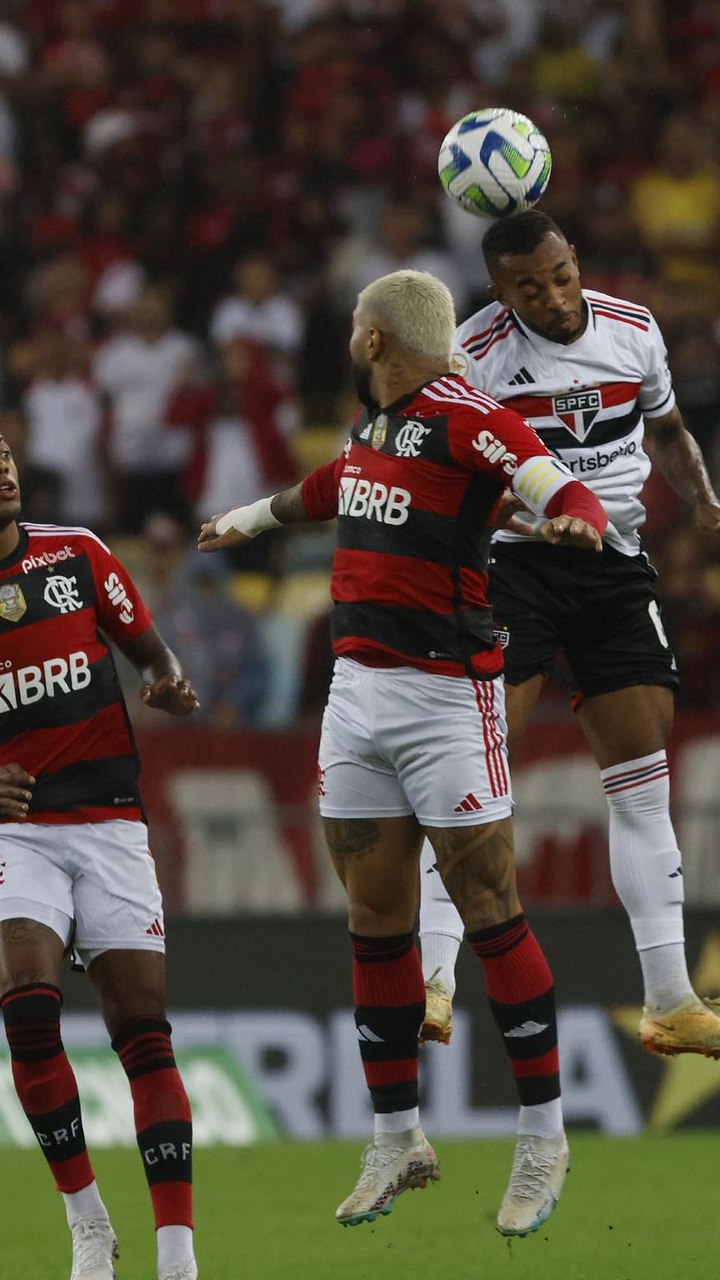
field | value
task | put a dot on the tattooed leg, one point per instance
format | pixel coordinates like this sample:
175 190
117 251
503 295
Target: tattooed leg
477 865
30 952
377 861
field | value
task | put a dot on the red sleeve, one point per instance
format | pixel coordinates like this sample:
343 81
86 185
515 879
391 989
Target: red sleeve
575 499
320 490
121 610
497 441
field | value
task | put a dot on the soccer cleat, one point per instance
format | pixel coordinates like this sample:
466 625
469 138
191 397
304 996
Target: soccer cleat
391 1163
94 1246
183 1271
437 1023
536 1180
690 1027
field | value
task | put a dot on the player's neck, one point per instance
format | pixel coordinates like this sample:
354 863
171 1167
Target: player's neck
9 538
397 382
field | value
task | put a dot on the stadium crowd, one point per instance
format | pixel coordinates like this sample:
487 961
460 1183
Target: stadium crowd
193 191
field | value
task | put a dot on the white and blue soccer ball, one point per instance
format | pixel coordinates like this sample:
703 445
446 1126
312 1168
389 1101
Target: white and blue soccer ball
494 162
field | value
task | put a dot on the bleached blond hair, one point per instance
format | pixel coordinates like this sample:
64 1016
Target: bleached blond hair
416 308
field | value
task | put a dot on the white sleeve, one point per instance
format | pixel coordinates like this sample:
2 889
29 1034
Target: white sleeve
656 393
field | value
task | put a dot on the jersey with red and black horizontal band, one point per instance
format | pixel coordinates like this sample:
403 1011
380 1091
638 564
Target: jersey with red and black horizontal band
586 400
62 713
413 490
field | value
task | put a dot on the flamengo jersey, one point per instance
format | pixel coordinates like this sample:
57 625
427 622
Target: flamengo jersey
62 714
586 400
413 489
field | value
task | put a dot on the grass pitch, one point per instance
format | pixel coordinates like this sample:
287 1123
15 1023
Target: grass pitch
632 1209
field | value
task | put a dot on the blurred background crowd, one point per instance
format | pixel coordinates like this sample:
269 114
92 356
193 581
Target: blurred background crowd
193 191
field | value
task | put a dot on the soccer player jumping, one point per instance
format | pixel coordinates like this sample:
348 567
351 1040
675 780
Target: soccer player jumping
413 737
75 867
589 372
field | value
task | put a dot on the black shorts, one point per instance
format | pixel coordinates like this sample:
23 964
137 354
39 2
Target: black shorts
598 609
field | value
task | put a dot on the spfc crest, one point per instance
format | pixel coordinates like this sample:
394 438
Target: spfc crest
578 410
12 602
379 431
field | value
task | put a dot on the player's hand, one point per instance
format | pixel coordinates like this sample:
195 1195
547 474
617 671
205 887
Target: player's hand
503 515
170 694
565 531
707 515
210 540
15 793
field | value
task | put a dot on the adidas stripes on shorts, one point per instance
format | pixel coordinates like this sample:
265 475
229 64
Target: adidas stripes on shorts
397 741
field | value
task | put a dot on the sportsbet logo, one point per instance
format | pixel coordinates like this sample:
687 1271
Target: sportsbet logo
373 500
30 684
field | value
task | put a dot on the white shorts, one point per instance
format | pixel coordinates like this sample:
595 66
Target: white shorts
99 876
397 741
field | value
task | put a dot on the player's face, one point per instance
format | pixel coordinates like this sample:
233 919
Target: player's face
360 347
9 487
543 288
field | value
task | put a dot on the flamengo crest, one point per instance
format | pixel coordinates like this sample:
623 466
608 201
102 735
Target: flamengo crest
62 593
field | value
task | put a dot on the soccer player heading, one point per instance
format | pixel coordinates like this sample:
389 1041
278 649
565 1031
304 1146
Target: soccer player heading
589 372
413 735
75 865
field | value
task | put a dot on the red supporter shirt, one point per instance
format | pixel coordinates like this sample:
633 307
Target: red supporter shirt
413 491
62 713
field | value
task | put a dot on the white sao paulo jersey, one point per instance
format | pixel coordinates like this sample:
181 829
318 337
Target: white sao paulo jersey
586 400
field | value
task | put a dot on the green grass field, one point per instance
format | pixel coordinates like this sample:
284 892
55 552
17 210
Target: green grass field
632 1209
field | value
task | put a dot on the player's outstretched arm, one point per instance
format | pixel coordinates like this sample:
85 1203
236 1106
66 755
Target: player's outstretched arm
678 456
314 499
164 688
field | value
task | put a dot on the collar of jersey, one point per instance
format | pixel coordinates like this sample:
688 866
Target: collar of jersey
397 406
19 551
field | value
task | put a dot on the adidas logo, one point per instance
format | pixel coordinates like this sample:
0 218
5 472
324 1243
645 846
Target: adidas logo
470 804
521 378
364 1033
156 930
526 1029
674 874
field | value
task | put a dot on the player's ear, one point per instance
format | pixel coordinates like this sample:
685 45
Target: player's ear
495 292
376 343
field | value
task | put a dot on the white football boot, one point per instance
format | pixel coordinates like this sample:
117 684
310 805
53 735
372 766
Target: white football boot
536 1180
391 1163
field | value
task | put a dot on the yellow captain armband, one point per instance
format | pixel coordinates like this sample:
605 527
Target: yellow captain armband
538 479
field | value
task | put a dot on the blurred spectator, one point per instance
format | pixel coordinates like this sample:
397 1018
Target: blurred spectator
258 309
137 370
218 642
676 203
64 418
244 420
403 241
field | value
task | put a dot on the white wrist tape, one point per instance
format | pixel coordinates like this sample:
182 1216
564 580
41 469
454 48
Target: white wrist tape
249 520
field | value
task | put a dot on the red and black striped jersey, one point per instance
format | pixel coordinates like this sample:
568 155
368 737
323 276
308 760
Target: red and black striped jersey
413 491
62 713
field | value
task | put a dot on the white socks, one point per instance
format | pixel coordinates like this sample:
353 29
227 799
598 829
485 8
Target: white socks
85 1204
441 929
174 1247
646 870
396 1121
544 1120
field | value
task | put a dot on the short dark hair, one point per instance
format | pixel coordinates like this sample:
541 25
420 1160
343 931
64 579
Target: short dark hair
518 233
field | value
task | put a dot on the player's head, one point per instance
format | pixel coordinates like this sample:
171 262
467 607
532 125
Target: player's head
9 487
407 317
534 271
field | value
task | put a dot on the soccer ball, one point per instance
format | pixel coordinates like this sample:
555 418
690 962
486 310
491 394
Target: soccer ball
494 162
